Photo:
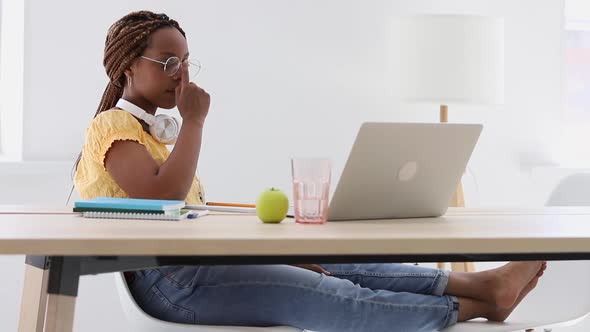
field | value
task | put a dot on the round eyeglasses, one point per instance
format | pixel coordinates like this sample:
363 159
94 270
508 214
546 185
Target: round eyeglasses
172 65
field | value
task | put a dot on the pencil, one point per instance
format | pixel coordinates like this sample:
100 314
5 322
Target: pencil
231 204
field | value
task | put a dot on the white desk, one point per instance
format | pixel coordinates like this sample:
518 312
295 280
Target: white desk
71 245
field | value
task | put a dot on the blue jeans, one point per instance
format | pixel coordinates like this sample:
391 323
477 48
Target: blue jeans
356 297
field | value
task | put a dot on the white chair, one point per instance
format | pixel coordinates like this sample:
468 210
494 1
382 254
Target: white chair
562 297
146 323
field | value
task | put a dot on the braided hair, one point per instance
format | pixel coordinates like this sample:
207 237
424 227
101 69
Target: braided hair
126 40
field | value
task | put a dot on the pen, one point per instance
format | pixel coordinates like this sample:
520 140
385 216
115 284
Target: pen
195 214
231 204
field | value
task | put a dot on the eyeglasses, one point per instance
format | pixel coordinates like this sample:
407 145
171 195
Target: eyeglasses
172 65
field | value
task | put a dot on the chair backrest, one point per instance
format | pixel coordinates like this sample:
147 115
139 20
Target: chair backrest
146 323
573 190
135 314
563 290
561 297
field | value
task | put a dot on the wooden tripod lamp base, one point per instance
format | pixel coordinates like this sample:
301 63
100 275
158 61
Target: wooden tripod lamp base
458 200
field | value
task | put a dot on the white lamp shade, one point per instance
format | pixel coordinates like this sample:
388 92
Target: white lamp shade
449 59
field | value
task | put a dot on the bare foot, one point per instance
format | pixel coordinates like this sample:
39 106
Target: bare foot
504 285
470 308
500 314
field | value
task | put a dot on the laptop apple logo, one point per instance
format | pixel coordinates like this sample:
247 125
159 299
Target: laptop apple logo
407 171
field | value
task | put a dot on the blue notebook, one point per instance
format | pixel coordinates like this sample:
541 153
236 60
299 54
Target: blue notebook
130 204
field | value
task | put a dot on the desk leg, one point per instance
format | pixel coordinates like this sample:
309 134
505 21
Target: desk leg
64 275
60 313
34 298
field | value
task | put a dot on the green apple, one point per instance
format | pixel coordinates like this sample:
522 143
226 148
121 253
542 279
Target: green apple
272 206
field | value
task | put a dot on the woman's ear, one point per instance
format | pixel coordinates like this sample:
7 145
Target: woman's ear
128 77
130 72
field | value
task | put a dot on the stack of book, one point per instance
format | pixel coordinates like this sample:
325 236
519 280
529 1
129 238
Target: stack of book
131 208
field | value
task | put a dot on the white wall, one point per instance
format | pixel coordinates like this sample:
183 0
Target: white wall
273 67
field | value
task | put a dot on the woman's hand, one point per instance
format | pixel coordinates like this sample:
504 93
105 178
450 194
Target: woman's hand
313 267
192 101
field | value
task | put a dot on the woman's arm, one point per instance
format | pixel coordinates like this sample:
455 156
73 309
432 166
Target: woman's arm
138 174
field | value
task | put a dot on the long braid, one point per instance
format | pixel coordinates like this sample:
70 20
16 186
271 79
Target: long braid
126 40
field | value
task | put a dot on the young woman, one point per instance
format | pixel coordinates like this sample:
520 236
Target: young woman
125 155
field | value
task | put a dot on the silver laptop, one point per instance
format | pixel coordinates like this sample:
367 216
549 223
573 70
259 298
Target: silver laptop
403 170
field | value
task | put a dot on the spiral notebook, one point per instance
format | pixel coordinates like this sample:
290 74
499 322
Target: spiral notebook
143 216
131 215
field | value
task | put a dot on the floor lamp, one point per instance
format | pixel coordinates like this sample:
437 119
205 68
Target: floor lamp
450 60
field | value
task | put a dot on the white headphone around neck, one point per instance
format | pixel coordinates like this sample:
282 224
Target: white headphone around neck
163 128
